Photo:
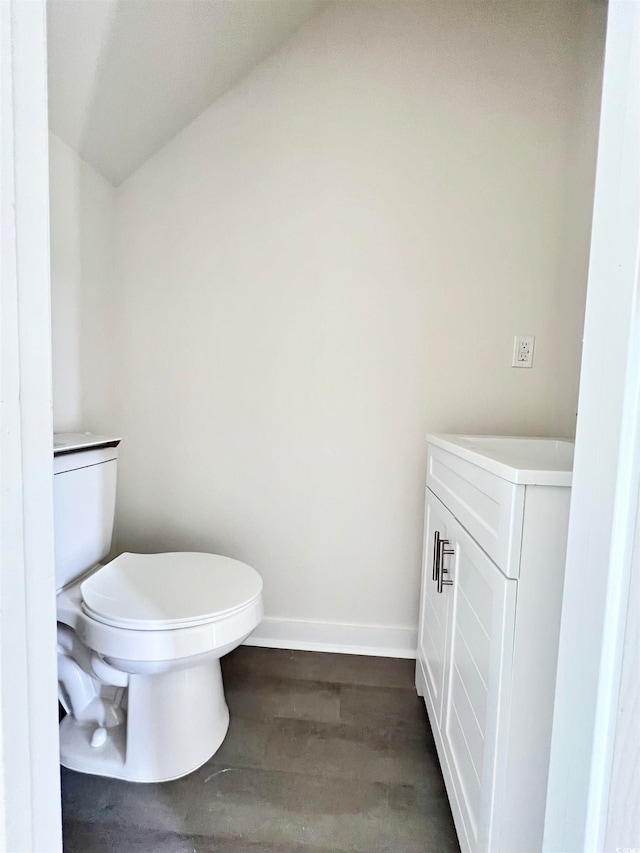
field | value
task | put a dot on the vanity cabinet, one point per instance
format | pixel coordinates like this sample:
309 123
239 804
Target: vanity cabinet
494 550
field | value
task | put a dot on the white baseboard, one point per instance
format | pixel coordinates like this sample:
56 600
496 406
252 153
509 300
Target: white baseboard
334 637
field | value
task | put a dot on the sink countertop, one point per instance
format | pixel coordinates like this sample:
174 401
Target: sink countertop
518 459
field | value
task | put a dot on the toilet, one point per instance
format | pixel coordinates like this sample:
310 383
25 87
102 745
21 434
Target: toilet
140 637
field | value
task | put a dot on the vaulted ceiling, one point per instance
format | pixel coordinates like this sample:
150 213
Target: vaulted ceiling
125 76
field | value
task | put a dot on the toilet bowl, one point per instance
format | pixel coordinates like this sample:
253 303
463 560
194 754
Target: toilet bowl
140 639
139 647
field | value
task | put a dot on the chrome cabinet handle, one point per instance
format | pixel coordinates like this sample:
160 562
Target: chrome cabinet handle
441 569
436 556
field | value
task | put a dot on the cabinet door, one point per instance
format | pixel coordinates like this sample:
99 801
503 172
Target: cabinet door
435 613
477 692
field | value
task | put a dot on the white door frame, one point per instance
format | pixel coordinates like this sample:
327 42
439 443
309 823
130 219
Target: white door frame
606 469
606 474
29 761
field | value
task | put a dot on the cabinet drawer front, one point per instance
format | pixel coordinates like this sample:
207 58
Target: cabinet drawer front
490 508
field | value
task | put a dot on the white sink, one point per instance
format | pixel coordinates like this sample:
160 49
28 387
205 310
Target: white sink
540 461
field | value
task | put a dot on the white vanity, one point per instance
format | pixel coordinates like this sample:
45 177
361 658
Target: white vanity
495 537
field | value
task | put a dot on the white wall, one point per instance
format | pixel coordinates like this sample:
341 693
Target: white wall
332 261
82 292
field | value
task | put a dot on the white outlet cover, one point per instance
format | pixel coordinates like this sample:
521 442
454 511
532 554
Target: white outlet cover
523 351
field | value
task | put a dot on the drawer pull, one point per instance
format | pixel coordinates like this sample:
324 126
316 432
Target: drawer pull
441 569
436 556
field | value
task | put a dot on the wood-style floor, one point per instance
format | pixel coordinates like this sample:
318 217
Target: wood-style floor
325 754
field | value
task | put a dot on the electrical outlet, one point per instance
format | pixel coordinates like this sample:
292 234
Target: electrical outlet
523 351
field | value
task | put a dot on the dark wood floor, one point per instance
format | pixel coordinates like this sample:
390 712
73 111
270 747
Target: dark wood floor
325 753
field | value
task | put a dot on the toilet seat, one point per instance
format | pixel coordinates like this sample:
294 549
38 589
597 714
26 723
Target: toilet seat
160 592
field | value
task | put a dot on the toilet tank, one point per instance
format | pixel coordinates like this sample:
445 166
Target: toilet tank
84 502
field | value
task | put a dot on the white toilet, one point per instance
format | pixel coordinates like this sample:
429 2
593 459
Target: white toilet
139 638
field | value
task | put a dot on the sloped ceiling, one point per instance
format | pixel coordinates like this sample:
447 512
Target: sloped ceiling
125 76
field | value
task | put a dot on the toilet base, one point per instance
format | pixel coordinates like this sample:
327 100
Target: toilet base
175 722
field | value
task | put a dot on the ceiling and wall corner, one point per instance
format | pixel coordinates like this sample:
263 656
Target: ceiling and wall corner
126 75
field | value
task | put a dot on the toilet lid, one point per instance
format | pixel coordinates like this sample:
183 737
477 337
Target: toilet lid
158 591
